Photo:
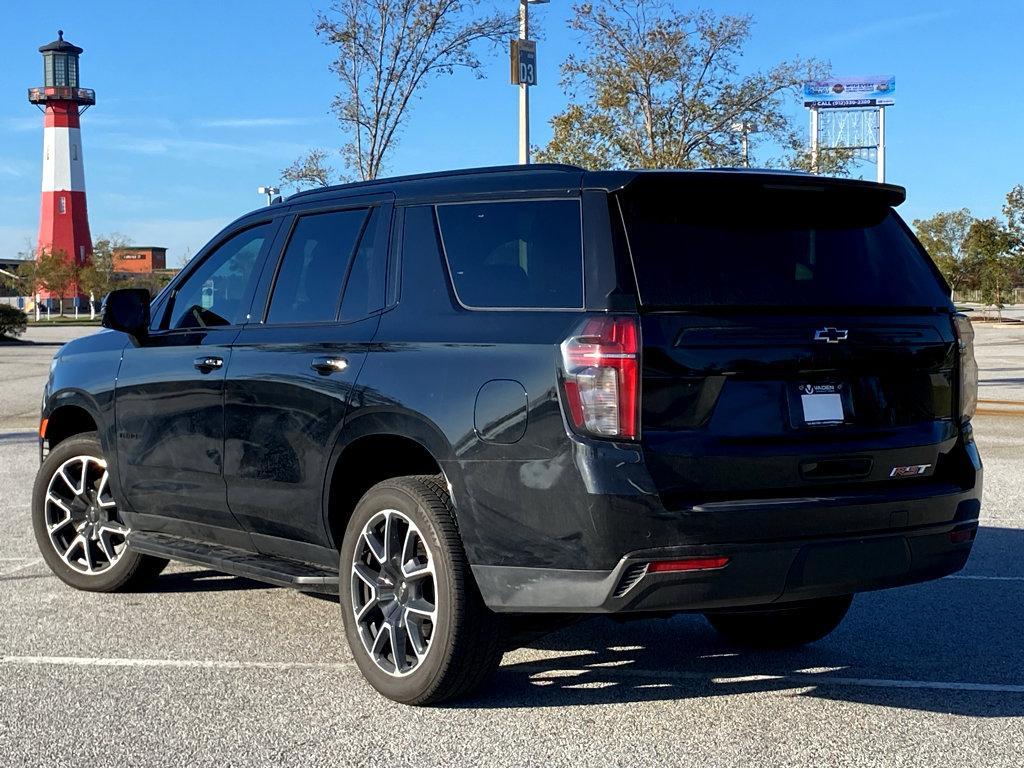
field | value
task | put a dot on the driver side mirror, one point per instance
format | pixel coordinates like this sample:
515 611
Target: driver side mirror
127 310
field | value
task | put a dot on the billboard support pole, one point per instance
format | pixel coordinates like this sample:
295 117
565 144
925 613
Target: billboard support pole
881 145
814 140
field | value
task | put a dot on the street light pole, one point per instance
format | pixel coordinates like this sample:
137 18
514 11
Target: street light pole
269 192
524 90
744 128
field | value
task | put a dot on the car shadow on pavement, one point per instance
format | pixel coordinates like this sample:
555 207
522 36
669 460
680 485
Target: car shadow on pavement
949 646
201 581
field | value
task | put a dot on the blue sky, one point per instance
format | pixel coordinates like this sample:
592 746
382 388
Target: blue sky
198 103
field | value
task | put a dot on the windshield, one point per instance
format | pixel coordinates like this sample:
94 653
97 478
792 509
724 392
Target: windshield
774 248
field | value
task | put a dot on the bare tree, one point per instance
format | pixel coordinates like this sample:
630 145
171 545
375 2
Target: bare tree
310 170
386 52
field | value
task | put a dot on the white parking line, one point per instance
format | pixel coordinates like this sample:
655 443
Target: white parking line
16 569
539 673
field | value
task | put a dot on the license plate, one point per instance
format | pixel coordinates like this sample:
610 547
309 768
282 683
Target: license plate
822 404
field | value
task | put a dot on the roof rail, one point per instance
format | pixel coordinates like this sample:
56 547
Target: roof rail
439 175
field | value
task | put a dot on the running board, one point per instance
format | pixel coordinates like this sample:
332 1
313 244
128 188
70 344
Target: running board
242 563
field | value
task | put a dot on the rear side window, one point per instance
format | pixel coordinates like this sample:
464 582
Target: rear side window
515 254
775 248
309 283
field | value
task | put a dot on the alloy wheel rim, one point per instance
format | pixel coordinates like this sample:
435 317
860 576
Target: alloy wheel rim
394 593
81 517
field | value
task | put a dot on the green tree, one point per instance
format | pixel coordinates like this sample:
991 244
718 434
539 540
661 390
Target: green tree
56 273
385 53
1013 210
989 242
97 278
152 282
945 237
656 87
23 279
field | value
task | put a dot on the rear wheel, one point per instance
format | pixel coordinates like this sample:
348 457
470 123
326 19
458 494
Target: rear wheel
77 525
414 619
781 627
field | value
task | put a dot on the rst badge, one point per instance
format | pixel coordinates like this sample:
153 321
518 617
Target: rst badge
908 471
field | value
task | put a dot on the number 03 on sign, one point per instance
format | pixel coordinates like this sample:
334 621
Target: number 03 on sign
524 61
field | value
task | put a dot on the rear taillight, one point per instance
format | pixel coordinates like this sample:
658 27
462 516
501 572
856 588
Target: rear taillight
601 369
968 367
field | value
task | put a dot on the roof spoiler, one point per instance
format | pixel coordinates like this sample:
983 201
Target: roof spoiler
729 179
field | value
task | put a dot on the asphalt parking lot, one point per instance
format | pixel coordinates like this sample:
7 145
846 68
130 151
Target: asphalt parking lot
213 670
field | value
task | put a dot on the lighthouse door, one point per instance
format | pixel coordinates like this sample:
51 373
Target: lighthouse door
170 395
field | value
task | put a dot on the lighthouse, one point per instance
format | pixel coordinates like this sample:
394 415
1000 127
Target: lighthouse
63 219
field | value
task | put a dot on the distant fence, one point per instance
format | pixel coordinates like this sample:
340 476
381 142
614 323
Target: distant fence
28 305
1015 296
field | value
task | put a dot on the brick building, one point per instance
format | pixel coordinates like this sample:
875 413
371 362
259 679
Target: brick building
139 259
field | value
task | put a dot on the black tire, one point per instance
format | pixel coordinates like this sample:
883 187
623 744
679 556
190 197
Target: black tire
781 627
128 571
465 638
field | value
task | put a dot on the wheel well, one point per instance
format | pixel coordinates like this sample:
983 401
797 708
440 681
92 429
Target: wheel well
366 462
67 421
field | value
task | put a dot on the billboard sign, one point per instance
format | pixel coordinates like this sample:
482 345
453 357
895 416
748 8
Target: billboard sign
869 91
524 62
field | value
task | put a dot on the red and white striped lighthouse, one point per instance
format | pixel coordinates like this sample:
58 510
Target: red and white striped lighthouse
63 218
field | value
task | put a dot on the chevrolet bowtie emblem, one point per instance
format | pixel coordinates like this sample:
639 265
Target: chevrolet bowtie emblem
831 335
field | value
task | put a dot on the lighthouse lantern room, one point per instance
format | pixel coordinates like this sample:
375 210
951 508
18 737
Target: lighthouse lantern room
63 219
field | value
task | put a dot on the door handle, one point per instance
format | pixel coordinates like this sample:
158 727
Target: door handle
326 364
208 363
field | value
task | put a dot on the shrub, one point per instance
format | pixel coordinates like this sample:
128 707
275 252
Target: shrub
12 321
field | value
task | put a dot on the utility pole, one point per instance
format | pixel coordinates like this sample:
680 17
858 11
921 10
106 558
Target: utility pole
524 74
524 90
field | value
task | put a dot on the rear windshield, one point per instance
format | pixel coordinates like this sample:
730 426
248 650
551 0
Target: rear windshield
775 248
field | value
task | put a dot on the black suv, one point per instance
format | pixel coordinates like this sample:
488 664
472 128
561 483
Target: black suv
464 400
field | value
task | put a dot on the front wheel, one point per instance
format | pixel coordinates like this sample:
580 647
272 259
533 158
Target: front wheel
781 627
414 619
77 525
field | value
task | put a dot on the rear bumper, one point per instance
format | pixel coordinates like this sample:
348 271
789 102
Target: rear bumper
757 573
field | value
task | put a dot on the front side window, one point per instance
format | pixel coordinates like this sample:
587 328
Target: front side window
517 254
310 280
218 292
